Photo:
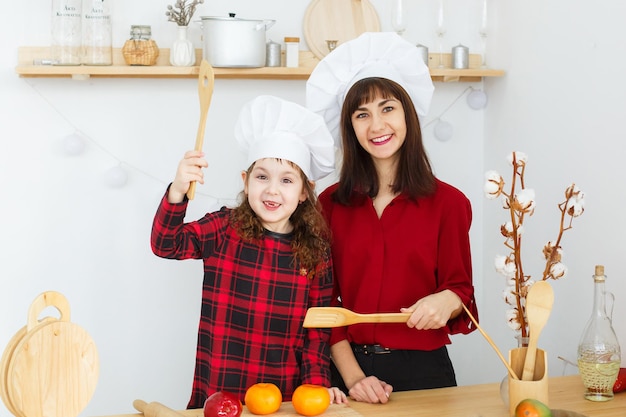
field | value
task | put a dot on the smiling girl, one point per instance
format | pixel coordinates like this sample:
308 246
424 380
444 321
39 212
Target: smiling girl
266 261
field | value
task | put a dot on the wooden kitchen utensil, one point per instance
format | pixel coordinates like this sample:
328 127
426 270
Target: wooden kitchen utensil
539 303
206 80
339 20
155 409
337 317
493 345
50 367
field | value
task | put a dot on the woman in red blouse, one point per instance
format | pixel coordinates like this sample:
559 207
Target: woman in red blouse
266 261
400 235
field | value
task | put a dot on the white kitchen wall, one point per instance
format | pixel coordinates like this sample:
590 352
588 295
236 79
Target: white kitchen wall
65 229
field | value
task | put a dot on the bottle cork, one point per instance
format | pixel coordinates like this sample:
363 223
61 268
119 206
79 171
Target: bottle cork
599 273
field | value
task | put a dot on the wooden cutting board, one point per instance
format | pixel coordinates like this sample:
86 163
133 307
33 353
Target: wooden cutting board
50 367
340 20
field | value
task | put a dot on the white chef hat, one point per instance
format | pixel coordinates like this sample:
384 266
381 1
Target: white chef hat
372 54
270 127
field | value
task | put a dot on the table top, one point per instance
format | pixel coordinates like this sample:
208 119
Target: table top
565 393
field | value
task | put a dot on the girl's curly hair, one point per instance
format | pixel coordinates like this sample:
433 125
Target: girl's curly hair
311 235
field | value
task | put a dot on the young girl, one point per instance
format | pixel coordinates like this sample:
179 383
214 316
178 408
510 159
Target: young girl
400 235
265 262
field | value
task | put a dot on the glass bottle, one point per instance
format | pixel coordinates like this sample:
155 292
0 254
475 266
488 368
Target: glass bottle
599 351
66 32
97 33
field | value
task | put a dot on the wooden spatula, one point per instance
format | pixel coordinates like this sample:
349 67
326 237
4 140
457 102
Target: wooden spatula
337 317
538 308
206 80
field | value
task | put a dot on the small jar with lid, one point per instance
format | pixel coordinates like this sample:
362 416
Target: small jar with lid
140 49
292 52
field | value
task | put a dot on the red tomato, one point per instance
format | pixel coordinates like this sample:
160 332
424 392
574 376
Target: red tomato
620 382
222 404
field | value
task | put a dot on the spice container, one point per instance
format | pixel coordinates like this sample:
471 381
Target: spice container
140 49
460 57
292 52
66 32
272 54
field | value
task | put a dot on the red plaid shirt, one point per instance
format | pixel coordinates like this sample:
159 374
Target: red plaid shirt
254 300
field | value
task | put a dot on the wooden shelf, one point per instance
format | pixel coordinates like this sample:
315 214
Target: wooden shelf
30 61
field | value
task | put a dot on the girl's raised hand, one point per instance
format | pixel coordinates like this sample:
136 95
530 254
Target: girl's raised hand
189 169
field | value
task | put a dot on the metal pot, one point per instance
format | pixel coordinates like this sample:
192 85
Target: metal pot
233 42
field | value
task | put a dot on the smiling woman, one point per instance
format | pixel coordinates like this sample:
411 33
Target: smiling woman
389 215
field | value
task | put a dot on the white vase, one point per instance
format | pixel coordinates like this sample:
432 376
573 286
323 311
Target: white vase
182 52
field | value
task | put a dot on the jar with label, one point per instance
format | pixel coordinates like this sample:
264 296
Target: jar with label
66 32
140 49
97 32
292 52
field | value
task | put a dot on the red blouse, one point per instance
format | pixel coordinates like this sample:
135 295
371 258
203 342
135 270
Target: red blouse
416 248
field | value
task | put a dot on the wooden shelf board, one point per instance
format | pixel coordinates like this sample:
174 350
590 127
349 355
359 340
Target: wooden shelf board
28 57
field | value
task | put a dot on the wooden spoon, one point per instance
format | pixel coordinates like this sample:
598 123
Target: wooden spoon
206 80
538 307
338 316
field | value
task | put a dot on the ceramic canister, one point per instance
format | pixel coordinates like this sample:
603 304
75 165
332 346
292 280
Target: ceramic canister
460 57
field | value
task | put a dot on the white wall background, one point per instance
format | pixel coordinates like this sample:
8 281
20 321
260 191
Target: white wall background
63 228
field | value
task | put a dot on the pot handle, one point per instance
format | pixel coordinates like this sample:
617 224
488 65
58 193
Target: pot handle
265 25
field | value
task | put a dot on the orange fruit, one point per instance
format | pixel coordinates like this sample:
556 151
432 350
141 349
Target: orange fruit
310 400
263 398
532 408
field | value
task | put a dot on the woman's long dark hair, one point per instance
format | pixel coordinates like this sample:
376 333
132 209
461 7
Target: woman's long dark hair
311 235
414 175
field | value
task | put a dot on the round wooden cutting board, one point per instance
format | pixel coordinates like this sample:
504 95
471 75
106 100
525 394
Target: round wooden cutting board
340 20
50 367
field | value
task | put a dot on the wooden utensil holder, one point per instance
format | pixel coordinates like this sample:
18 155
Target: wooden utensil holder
537 388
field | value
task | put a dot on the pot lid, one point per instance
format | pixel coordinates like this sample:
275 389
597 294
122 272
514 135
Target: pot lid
230 17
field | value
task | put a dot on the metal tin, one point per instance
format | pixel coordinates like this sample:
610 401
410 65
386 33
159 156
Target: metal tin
460 57
272 54
423 51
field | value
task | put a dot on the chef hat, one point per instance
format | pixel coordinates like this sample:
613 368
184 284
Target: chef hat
270 127
372 54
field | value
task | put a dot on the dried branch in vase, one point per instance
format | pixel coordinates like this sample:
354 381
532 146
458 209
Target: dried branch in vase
182 12
519 201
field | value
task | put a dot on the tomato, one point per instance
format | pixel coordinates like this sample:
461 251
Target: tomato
263 398
222 404
310 400
620 382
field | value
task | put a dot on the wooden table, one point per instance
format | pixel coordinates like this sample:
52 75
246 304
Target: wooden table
483 400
